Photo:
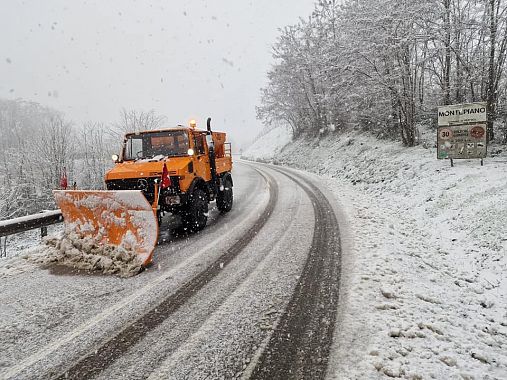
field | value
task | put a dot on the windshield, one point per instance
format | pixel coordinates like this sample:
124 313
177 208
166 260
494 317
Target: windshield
153 144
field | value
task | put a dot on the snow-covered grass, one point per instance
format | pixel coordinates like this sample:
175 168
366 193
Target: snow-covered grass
425 293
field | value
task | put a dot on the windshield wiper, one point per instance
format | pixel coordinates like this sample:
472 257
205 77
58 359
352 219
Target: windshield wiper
143 158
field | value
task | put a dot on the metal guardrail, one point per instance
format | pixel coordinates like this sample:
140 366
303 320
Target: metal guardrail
26 223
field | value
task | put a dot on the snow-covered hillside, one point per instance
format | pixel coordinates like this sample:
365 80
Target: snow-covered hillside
425 291
268 145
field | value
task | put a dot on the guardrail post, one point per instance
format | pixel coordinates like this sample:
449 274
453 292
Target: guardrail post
3 247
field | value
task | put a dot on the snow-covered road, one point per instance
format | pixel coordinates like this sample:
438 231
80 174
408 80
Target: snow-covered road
231 301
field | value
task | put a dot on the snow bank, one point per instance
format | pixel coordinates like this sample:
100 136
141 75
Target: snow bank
86 254
427 291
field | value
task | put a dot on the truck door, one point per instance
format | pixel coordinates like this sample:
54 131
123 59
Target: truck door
202 167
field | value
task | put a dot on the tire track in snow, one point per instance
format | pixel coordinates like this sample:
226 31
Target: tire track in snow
93 363
299 346
221 308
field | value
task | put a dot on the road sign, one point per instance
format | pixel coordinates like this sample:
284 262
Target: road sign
462 114
445 133
462 141
462 131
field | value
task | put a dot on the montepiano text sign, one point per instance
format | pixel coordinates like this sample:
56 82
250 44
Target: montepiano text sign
462 131
462 114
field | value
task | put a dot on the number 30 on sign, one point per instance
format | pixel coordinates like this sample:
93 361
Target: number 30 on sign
445 133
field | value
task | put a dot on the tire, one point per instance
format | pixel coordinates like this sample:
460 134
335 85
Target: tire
225 196
195 214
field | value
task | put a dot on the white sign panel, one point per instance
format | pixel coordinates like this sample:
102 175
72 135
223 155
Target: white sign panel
461 114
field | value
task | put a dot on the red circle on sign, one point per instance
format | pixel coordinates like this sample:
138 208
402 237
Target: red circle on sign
445 133
477 132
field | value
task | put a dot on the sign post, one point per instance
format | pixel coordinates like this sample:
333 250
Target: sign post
462 132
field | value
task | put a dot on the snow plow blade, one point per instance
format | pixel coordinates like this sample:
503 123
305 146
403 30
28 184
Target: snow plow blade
119 218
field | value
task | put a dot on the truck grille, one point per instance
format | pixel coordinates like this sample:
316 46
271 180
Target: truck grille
146 185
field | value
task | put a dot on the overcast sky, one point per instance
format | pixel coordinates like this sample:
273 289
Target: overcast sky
185 59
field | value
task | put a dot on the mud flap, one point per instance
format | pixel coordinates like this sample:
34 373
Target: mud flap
121 218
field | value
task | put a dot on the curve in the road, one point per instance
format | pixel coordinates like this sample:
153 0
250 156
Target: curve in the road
95 362
299 346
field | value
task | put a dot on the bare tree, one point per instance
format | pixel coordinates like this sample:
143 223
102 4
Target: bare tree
54 148
94 152
497 12
136 121
37 143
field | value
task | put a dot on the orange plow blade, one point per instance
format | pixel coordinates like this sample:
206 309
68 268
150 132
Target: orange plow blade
119 218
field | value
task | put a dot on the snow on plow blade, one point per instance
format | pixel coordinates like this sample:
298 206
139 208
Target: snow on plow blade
119 218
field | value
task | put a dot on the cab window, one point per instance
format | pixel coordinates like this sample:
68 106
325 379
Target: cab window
153 144
200 144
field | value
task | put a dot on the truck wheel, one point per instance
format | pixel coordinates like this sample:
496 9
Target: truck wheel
225 197
195 214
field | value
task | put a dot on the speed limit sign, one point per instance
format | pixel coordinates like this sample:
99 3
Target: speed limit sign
445 133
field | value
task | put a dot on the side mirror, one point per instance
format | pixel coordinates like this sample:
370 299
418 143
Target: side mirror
210 142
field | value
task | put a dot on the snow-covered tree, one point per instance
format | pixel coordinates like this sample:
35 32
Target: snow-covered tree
37 144
385 65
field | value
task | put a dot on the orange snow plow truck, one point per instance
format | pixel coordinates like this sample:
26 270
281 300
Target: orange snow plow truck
178 170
